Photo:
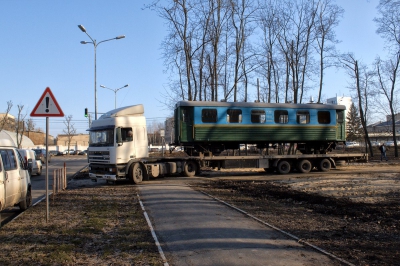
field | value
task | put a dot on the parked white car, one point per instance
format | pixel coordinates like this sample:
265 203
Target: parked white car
390 143
15 181
68 152
30 158
352 144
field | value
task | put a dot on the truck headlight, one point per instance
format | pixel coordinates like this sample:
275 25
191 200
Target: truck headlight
112 170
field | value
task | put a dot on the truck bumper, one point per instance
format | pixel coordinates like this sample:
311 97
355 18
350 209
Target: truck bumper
95 177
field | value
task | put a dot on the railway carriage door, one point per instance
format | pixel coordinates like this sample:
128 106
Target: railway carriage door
340 125
186 124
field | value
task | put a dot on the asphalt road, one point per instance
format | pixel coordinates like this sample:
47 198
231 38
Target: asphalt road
73 164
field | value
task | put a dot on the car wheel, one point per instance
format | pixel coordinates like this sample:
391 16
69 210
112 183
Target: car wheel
26 203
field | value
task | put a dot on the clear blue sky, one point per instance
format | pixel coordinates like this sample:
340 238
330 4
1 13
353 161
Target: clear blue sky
40 47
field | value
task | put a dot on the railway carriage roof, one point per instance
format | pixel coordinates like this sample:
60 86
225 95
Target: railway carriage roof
260 105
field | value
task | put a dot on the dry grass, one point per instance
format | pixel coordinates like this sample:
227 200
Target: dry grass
87 226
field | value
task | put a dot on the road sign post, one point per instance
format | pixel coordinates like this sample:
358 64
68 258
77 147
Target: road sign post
47 106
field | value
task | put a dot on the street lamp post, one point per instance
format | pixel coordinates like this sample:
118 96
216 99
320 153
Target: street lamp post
95 44
115 91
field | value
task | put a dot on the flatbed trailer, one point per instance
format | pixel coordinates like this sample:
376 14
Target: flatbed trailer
138 170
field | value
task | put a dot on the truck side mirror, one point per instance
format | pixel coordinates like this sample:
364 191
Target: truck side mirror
119 136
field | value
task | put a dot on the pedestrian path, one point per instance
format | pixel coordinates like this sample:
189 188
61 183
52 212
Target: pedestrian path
194 229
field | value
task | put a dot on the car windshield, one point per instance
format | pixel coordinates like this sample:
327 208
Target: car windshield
101 138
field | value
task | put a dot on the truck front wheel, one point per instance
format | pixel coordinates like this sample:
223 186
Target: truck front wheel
190 168
136 173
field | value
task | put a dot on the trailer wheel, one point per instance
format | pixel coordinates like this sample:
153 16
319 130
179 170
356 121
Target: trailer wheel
190 169
304 166
283 167
324 165
136 173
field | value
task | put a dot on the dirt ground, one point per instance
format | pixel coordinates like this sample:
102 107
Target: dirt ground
352 213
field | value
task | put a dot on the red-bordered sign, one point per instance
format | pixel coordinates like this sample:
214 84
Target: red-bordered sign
47 105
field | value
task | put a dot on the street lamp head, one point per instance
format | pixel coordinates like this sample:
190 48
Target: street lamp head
120 37
83 42
102 86
82 28
126 85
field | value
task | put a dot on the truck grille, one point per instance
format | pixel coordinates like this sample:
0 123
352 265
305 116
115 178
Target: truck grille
99 156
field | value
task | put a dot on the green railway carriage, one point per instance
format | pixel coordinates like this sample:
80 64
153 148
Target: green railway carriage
215 126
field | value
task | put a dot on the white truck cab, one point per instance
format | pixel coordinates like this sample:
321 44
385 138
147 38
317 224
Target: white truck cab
15 182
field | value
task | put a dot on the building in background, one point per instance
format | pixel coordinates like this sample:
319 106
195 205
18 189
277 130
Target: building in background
346 101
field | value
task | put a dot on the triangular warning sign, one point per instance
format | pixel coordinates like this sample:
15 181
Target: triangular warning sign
47 105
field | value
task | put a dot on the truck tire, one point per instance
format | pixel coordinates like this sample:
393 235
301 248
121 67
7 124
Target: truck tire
26 203
136 173
304 166
190 169
324 165
283 167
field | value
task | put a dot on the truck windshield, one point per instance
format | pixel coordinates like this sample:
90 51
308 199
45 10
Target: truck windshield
101 138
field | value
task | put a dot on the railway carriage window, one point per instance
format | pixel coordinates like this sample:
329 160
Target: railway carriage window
281 116
339 116
303 117
258 116
185 117
234 116
209 115
324 117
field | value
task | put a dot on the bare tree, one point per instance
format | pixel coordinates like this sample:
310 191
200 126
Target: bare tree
69 130
362 80
389 30
388 22
296 37
20 126
387 75
4 119
327 18
268 20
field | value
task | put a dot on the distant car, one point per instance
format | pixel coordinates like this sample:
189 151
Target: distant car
84 152
76 152
34 165
351 144
390 143
66 152
53 153
41 155
375 144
